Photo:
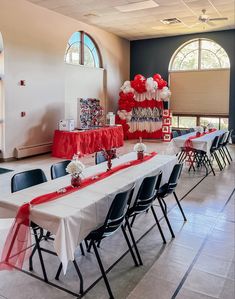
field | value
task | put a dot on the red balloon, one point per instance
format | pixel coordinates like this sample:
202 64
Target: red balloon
157 77
161 83
139 77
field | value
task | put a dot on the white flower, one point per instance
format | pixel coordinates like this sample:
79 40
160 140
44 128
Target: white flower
140 147
75 167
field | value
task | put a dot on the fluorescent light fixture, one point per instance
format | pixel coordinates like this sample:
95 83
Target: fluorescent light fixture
137 6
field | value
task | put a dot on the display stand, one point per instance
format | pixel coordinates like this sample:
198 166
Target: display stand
166 125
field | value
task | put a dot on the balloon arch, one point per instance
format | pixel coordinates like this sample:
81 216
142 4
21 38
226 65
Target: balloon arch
143 102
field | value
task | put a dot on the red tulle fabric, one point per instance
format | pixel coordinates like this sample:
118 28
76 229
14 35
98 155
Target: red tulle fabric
66 144
19 240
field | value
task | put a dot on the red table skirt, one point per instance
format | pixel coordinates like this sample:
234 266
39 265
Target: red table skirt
66 144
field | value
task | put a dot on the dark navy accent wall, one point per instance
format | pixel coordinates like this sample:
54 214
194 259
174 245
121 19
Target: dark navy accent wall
151 56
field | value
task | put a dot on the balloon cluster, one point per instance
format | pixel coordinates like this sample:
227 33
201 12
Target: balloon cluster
143 93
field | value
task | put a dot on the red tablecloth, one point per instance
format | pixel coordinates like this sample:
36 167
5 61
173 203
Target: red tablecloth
66 144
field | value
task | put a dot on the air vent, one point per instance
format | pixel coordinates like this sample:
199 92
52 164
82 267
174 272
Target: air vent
170 21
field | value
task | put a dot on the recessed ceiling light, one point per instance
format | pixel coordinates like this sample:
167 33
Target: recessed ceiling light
137 6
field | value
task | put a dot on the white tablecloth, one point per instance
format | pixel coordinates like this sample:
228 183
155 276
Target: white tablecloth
201 143
72 217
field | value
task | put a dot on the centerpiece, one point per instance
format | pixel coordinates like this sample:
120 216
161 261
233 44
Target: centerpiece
75 168
109 155
210 127
140 148
199 131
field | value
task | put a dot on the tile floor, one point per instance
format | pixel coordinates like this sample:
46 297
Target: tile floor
198 263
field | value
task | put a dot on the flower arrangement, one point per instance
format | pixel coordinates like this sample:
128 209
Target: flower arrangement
210 127
140 148
75 167
199 130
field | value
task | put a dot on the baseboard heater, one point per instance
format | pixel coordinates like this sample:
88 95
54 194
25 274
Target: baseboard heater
32 150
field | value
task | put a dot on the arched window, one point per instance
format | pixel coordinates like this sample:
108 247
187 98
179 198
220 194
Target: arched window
82 49
199 54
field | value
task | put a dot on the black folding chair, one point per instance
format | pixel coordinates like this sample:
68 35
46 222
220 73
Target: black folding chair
143 203
174 134
100 157
168 189
227 142
26 179
213 151
113 222
59 169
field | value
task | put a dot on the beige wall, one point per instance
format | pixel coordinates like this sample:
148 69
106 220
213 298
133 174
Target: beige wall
34 45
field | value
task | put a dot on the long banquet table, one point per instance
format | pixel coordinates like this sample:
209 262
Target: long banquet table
66 144
71 217
201 143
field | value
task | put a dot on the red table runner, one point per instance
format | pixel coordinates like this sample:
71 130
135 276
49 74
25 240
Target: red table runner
66 144
18 238
188 142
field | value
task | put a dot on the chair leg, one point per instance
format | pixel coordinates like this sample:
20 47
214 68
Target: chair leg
180 207
134 242
129 246
158 225
102 270
167 220
47 236
78 272
133 219
31 258
79 275
228 153
82 249
218 161
57 277
225 155
37 241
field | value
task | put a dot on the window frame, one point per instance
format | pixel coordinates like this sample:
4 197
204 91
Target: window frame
199 49
198 118
82 45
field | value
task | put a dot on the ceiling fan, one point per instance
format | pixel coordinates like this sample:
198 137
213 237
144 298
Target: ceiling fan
204 18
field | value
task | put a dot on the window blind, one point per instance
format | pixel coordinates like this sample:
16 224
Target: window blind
200 92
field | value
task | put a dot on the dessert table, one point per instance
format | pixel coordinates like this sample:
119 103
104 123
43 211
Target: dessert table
72 217
201 143
66 144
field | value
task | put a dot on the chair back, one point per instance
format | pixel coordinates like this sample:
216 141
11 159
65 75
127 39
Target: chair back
175 134
174 177
215 144
59 169
191 130
222 138
183 132
146 194
26 179
227 137
100 157
117 212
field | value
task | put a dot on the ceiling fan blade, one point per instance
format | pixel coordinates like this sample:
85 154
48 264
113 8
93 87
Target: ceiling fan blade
218 19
